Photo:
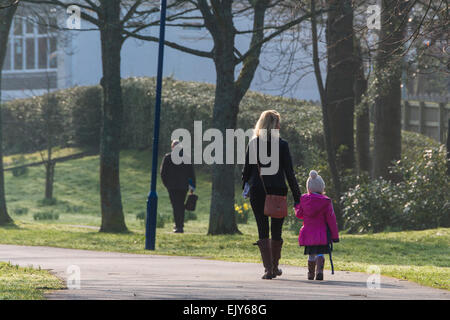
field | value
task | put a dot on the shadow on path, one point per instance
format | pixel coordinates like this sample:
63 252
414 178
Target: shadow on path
361 284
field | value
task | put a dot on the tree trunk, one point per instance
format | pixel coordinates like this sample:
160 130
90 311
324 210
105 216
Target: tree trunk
6 17
362 115
49 178
222 219
49 114
448 148
340 78
388 73
363 138
112 115
228 96
331 154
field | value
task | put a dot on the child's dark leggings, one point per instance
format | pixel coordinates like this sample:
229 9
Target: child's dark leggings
257 198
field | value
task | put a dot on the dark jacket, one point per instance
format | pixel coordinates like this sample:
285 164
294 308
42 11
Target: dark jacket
176 176
275 184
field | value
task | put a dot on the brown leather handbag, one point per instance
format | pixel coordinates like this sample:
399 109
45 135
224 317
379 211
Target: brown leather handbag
275 206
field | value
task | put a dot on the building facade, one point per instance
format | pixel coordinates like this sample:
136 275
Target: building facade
42 57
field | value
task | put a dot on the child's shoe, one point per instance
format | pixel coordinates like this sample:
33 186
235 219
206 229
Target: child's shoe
311 270
320 261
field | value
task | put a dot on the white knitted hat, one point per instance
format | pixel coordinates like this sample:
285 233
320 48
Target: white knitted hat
315 182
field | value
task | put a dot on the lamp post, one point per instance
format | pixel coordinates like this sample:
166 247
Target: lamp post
152 201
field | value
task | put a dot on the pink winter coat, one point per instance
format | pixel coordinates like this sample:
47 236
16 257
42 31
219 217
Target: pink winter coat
317 212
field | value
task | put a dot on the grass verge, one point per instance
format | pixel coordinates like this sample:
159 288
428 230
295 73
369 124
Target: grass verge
17 283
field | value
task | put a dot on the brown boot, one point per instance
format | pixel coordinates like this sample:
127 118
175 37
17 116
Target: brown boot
266 255
311 270
276 255
320 263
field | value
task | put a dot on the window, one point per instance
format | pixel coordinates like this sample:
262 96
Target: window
32 47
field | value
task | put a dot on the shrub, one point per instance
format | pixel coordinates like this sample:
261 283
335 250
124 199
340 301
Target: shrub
242 211
20 211
73 208
160 220
18 162
24 128
87 113
371 206
47 202
426 190
141 216
46 215
419 201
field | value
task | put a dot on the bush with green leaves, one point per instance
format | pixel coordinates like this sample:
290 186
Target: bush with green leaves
47 202
20 211
46 215
24 129
371 206
426 189
421 199
69 208
17 163
160 220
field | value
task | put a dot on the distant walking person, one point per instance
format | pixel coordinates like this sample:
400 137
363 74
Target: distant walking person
177 178
319 225
275 184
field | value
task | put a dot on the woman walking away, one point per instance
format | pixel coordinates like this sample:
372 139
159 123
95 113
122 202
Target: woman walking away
319 224
259 185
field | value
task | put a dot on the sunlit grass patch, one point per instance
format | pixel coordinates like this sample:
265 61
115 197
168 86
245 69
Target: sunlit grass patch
17 283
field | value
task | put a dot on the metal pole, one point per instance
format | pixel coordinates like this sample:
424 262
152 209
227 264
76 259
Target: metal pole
152 201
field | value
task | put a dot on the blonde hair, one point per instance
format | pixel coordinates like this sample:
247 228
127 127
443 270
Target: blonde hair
269 119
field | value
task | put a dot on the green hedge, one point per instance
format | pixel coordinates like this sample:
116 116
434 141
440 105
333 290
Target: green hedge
24 121
183 102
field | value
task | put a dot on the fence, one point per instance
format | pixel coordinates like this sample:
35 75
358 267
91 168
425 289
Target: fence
427 117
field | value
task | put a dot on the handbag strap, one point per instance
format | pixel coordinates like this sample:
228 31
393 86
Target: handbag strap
260 176
259 168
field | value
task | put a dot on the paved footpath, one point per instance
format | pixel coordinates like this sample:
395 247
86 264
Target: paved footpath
108 275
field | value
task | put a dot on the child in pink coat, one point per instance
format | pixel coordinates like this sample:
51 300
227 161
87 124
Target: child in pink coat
319 224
